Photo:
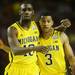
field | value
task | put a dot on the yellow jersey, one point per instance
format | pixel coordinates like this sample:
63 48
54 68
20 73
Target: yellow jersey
52 63
26 38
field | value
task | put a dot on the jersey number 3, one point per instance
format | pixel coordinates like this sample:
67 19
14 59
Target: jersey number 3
49 56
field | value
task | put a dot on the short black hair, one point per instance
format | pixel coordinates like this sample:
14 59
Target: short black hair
44 13
27 2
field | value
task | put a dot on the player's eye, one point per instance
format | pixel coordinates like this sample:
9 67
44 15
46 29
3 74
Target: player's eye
48 21
24 9
30 9
43 21
27 9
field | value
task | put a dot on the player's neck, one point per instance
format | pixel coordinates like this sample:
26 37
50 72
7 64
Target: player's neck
25 23
46 35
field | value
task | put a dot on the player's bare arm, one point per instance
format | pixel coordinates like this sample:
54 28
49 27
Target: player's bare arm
1 44
68 52
14 43
4 47
65 23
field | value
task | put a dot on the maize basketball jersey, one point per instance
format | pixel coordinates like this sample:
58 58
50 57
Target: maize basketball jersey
27 38
24 64
52 63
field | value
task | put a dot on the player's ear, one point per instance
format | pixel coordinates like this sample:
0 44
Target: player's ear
52 22
20 12
33 15
40 21
33 12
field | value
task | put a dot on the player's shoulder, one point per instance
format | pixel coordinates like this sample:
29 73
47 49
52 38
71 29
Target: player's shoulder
61 33
12 28
14 24
56 32
64 36
33 23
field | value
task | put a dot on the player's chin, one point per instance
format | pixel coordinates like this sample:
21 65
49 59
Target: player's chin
27 18
46 30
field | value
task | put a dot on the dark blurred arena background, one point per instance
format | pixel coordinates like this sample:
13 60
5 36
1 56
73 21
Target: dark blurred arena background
60 9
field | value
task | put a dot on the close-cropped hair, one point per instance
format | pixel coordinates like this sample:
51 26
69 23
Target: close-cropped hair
27 2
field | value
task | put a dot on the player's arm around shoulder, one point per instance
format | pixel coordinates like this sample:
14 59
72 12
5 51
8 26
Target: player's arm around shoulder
14 43
68 51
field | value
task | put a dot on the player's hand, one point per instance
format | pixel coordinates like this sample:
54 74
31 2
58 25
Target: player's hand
65 23
73 70
44 49
1 44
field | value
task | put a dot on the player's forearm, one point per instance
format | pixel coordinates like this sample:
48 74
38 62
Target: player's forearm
22 51
69 52
72 65
60 28
70 55
6 49
72 60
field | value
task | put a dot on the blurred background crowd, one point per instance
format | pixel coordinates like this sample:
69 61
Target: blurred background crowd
9 13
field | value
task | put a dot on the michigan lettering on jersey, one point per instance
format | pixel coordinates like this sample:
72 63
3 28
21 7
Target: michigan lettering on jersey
28 39
53 47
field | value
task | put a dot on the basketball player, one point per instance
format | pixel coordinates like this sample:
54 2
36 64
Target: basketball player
21 36
57 45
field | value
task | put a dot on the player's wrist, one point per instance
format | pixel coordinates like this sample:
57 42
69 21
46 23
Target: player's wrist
72 62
